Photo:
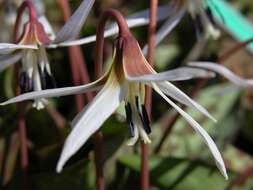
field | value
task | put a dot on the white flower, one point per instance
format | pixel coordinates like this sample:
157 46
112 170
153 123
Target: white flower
31 46
124 82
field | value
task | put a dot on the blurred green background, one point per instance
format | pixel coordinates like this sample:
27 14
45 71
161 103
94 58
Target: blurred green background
183 162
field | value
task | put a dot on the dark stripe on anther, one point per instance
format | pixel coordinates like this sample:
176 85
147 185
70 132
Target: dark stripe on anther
25 83
47 80
146 121
50 81
143 115
128 110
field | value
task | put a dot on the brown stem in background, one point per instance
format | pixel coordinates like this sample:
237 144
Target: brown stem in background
145 181
80 75
235 49
78 67
23 146
20 107
241 179
195 91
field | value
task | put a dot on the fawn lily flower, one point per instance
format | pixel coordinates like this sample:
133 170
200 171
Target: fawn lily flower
225 72
31 46
124 82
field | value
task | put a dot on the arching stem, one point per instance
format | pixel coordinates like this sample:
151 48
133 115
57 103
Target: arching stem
123 30
145 181
32 16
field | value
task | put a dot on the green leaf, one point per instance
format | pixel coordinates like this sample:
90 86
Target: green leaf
78 177
179 174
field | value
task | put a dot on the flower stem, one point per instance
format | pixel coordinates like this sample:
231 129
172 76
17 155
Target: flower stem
23 147
24 161
123 30
145 181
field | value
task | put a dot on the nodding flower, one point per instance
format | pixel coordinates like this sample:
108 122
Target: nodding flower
124 82
30 47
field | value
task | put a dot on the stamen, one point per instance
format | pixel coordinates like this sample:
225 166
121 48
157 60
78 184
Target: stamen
143 115
50 81
47 80
128 110
146 121
22 82
25 83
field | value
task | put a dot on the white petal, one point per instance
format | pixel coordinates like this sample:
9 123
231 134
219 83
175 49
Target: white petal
225 72
207 139
103 105
8 60
166 28
57 92
179 74
138 19
172 91
6 48
73 26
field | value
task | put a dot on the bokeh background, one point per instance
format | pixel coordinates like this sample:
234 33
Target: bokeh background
182 162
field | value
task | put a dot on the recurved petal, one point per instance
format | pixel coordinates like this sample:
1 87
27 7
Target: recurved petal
172 91
9 59
57 92
225 72
73 26
6 48
179 74
203 134
138 19
166 28
91 119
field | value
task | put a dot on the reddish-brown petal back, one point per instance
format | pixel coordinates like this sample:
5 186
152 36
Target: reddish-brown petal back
34 33
134 62
40 34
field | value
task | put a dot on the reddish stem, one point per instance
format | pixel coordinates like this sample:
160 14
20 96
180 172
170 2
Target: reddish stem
23 146
78 67
235 49
123 31
20 107
145 181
